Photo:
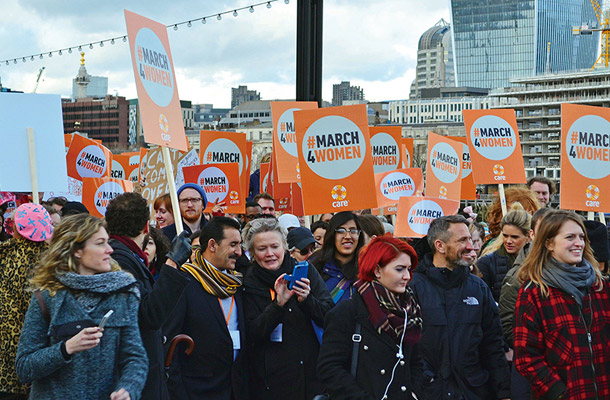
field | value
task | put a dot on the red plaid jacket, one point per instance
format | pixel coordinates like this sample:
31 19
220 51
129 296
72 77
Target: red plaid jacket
552 346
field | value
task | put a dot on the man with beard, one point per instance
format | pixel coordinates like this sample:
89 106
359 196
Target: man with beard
211 312
461 341
192 201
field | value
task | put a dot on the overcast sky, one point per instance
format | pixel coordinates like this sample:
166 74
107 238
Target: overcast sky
373 44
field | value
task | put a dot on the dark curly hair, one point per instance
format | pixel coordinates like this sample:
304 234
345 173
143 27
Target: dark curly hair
127 215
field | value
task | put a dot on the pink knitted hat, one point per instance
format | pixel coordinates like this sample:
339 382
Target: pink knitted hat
33 222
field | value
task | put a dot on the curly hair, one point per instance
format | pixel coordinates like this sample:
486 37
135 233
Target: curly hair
127 214
69 237
519 194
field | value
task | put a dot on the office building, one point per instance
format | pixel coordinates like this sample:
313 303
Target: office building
494 41
434 60
241 94
344 91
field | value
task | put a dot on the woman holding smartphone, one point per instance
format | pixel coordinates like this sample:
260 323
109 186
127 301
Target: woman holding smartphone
63 352
283 345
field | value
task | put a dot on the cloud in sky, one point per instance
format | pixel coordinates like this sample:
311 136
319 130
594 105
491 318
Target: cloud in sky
371 44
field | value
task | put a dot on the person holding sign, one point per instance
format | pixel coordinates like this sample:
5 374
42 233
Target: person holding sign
563 309
211 312
388 362
65 349
337 260
284 347
461 341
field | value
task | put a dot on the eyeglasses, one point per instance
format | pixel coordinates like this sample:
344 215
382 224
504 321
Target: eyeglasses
306 250
352 232
194 201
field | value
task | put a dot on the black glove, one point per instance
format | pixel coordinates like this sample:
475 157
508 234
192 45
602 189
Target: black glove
180 249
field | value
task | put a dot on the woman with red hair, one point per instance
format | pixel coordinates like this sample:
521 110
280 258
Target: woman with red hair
370 341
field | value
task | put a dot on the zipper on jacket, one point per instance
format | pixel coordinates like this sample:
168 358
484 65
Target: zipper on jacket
589 342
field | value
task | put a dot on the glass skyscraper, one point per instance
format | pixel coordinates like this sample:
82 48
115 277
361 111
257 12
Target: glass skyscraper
495 40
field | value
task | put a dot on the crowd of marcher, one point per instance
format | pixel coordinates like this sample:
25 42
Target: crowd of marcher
511 305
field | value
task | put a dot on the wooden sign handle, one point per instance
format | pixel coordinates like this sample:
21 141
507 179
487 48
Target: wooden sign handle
33 171
173 194
502 198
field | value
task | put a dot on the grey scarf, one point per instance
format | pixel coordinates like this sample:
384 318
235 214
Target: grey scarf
89 290
574 280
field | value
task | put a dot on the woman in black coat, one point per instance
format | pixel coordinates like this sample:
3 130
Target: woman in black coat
283 345
388 363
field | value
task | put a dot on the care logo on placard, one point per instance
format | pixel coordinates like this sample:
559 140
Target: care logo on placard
588 146
339 193
396 185
234 195
334 147
499 172
422 214
222 151
445 162
91 162
164 126
493 137
466 163
106 192
442 191
215 184
284 202
285 132
592 193
154 68
385 152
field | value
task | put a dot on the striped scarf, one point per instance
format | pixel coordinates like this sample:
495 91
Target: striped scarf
215 282
386 311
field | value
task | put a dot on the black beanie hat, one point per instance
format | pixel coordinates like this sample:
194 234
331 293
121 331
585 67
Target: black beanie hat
598 236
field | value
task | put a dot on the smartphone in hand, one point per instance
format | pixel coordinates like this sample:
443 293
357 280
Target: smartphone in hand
299 271
105 319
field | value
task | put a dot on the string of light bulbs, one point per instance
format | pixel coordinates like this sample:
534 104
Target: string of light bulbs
189 23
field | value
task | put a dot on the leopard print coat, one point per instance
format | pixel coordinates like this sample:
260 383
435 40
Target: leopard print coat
17 260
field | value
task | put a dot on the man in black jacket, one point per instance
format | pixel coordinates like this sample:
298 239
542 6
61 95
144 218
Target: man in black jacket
127 218
461 340
211 312
192 201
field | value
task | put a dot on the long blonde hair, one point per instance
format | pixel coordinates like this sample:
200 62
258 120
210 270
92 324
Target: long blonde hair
539 256
69 237
517 217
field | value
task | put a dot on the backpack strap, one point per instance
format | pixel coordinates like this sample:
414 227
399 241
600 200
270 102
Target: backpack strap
43 305
356 338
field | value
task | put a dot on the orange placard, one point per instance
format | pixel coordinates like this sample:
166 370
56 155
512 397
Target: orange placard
266 185
248 167
285 139
279 191
220 182
67 140
88 159
153 69
296 199
469 189
444 167
407 152
585 156
385 148
495 149
225 147
335 159
392 185
97 193
416 213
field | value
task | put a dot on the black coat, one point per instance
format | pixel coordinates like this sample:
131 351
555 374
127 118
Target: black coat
170 230
287 369
156 306
494 267
376 358
209 372
461 342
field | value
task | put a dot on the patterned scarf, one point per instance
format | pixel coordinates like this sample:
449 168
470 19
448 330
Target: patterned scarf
215 282
386 311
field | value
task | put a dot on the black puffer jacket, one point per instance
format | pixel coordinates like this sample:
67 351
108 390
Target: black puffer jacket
494 267
461 340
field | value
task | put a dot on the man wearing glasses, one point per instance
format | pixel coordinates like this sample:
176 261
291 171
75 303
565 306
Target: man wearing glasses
192 200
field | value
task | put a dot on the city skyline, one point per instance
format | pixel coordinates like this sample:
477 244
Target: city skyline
254 49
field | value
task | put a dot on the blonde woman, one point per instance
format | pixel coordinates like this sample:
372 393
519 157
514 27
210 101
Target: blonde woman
63 352
563 314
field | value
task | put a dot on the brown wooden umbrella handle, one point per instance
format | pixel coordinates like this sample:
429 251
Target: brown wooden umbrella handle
172 347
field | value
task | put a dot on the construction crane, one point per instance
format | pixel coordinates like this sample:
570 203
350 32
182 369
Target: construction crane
604 27
38 79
